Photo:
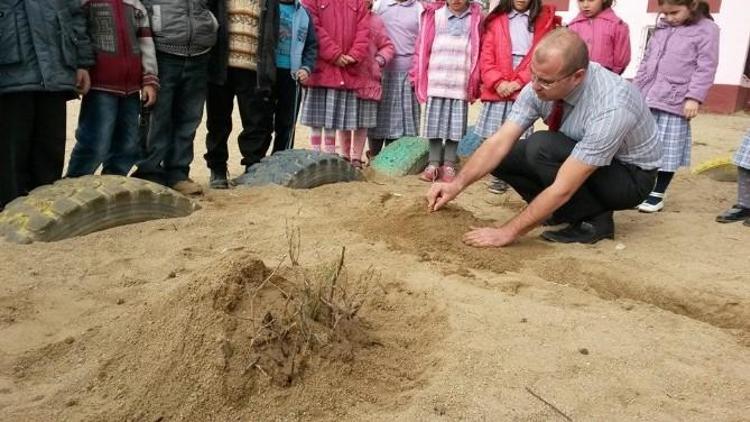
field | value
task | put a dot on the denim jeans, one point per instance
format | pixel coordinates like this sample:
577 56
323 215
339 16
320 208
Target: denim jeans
107 134
175 118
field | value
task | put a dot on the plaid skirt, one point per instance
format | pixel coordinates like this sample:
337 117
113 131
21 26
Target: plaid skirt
446 118
398 111
367 114
330 108
674 135
742 156
493 116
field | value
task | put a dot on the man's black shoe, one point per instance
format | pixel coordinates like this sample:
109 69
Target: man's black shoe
600 227
736 213
218 180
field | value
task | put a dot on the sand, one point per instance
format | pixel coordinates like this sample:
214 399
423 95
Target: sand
160 321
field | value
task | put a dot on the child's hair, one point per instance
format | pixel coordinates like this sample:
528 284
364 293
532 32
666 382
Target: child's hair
606 4
506 6
698 8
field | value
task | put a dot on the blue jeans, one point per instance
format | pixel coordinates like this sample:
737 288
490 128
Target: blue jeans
107 135
176 115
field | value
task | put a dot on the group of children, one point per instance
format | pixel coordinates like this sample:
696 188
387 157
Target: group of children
365 70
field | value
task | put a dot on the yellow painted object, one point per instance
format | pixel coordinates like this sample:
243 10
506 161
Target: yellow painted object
721 169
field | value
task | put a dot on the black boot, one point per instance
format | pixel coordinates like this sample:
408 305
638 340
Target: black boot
589 231
218 180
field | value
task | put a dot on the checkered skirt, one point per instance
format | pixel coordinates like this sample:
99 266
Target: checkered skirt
330 109
398 111
446 118
492 116
674 135
742 156
367 114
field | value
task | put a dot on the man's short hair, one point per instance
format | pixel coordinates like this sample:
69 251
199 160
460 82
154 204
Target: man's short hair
569 45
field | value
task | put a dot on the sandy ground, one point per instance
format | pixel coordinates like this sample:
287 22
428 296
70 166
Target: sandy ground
133 324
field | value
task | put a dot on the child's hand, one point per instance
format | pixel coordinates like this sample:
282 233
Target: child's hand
83 81
349 59
501 88
513 86
302 75
148 95
691 109
340 61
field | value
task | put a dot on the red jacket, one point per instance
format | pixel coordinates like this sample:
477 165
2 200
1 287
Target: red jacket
381 53
496 58
342 27
121 67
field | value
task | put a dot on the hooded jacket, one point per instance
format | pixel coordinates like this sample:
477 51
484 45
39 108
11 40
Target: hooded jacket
607 37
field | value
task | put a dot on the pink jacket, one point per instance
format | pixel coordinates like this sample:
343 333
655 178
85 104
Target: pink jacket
607 37
342 27
381 53
425 38
680 63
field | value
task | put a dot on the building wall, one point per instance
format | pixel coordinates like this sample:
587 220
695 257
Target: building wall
732 16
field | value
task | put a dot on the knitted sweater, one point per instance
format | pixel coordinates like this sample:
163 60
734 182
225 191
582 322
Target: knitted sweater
243 26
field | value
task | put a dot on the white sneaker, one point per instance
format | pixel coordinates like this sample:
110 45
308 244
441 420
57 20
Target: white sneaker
651 208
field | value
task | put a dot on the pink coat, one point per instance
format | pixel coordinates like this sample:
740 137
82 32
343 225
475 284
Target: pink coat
425 38
607 37
342 27
381 53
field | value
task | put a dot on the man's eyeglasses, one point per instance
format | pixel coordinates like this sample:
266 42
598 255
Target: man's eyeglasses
544 84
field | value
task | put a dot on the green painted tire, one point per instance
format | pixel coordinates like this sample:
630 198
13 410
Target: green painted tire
78 206
403 157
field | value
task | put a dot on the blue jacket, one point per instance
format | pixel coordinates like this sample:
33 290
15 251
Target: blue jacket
42 43
304 50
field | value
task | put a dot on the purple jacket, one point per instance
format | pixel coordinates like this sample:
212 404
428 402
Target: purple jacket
679 64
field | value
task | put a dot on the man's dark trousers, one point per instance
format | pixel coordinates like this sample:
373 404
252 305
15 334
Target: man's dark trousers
32 141
533 163
256 114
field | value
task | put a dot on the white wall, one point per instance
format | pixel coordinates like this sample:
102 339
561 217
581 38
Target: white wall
734 21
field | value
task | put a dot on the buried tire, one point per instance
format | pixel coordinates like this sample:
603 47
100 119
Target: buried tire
721 169
78 206
299 169
405 156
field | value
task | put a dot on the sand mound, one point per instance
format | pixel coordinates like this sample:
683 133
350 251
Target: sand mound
238 340
406 225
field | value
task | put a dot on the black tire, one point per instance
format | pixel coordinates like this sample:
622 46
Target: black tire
299 169
78 206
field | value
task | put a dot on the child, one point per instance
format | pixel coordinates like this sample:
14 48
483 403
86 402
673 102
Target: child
331 103
741 210
606 35
398 109
44 54
512 31
108 121
352 143
184 32
446 75
674 77
296 53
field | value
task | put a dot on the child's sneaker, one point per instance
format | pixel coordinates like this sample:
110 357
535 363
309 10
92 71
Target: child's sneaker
430 174
654 203
447 173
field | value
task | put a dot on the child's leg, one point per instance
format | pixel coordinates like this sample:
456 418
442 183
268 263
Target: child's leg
375 145
124 150
450 157
329 141
96 128
743 187
316 135
286 98
360 137
663 178
435 156
344 140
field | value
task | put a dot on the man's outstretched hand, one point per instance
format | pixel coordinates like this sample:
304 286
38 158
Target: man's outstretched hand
489 237
440 194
